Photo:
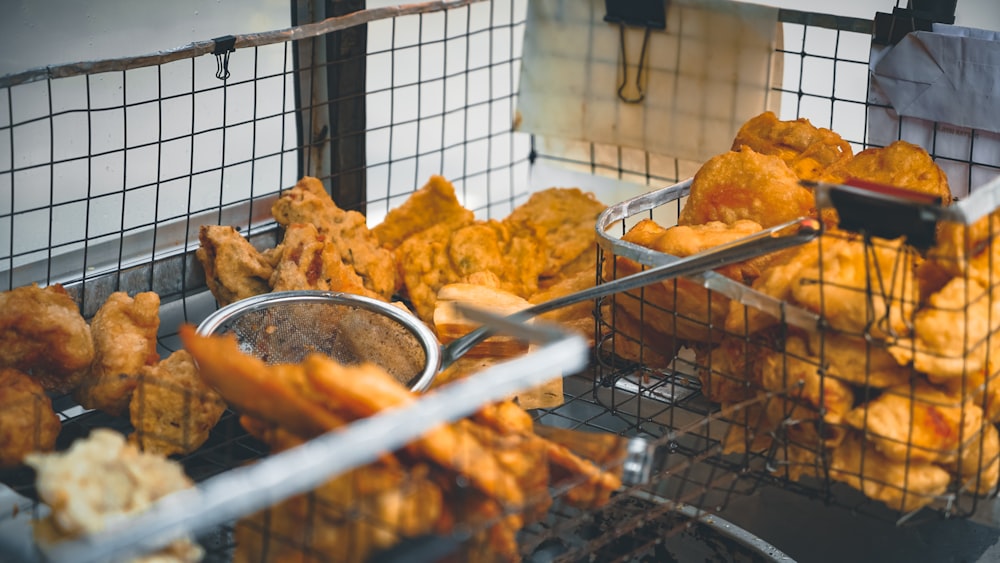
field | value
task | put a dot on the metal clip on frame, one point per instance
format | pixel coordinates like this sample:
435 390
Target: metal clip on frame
919 15
649 14
223 46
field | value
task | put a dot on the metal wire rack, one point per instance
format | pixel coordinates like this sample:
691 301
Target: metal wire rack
112 166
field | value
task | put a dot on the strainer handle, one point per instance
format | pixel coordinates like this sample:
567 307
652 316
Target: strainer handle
779 237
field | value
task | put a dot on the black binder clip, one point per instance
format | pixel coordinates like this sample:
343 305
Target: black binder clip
649 14
223 46
920 15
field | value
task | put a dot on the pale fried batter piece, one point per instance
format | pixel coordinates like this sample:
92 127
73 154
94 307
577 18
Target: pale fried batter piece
305 259
813 390
730 371
901 486
43 334
483 250
563 220
172 409
578 318
746 185
808 150
900 164
433 204
957 243
27 421
859 361
623 336
234 269
308 202
124 331
916 422
978 466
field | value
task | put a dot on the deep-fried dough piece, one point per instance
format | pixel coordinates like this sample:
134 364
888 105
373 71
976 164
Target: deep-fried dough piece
27 421
43 334
957 243
978 466
901 486
729 372
172 409
124 331
900 164
859 361
808 150
305 259
916 422
632 340
234 269
308 202
433 204
813 389
563 220
578 318
746 185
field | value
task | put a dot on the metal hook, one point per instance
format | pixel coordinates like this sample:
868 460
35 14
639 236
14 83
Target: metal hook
223 46
638 72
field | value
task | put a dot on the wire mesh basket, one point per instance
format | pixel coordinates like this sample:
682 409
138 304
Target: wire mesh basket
113 166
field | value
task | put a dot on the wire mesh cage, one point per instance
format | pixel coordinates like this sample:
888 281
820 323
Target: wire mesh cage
115 168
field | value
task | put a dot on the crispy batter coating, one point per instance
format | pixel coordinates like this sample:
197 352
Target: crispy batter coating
958 245
900 164
308 202
859 361
433 204
746 185
305 259
484 252
27 421
808 150
172 409
730 371
563 220
978 467
43 334
633 340
234 269
901 486
124 331
813 390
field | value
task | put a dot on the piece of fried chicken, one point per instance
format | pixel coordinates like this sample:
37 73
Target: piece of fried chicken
124 331
746 184
43 334
433 204
900 164
808 150
234 268
309 202
27 421
306 259
172 409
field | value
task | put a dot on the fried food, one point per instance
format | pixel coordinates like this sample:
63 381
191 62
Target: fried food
42 333
808 150
124 331
305 259
900 164
901 486
433 204
978 466
578 318
730 371
27 421
101 480
172 409
810 389
308 202
563 220
746 185
234 269
631 340
859 361
484 253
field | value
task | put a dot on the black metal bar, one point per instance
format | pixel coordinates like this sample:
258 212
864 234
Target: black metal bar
346 52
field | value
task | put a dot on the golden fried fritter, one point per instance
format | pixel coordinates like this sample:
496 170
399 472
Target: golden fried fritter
859 361
808 150
305 259
563 220
812 388
730 371
900 164
433 204
632 340
172 409
27 421
124 331
308 202
43 334
234 269
746 185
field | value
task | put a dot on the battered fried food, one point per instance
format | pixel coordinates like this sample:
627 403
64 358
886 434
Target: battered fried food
901 486
900 164
101 480
746 185
578 318
308 202
234 269
172 409
808 150
730 371
433 204
305 259
43 334
634 341
124 331
27 421
859 361
813 389
563 220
